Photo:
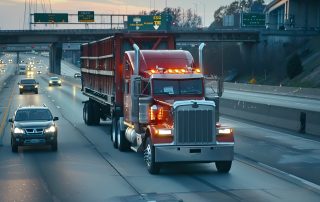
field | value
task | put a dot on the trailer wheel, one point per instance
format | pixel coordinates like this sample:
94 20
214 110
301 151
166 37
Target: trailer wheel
223 166
85 113
91 115
123 143
96 113
149 158
114 132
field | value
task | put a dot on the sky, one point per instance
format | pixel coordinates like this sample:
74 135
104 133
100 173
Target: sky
12 12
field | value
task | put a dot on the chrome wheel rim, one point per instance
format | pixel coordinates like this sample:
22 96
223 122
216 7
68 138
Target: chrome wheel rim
147 155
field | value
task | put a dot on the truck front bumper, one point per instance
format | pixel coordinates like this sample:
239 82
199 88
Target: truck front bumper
208 153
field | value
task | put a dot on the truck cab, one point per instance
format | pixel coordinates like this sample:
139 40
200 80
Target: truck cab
166 114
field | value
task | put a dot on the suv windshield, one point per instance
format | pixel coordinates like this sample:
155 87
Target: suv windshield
33 114
28 81
54 78
177 87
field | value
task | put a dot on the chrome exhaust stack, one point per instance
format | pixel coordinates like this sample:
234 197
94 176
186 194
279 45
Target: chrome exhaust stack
202 45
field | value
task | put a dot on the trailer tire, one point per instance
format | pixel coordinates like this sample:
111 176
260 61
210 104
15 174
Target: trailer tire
149 158
114 132
96 113
90 113
223 166
123 143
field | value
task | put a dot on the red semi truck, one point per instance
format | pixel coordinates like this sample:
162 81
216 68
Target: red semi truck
155 97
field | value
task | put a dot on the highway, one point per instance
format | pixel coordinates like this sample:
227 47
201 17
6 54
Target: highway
270 165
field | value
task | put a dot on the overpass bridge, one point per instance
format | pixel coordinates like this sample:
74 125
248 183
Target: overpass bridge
56 38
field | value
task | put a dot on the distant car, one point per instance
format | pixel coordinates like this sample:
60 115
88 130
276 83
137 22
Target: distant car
54 81
2 70
28 85
38 72
77 75
33 125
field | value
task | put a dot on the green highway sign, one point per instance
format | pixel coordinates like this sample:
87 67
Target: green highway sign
253 20
50 17
85 16
147 23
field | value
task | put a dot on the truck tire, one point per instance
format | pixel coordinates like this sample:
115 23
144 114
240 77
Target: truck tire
14 146
149 158
21 92
114 132
89 114
223 166
123 143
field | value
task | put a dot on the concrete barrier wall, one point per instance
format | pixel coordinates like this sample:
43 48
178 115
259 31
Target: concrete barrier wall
282 117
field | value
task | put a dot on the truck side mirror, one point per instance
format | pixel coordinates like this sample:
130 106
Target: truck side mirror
55 118
10 120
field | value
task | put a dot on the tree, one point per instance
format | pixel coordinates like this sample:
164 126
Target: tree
234 8
294 66
176 18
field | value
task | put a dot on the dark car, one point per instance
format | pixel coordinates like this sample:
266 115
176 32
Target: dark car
77 75
30 85
33 125
54 81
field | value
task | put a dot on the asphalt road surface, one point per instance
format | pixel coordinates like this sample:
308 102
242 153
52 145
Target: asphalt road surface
87 168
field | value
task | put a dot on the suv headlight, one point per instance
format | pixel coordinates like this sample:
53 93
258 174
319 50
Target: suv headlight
36 86
51 129
18 131
20 86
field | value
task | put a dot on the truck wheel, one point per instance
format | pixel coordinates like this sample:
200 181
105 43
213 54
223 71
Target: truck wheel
114 133
223 166
21 92
36 92
123 143
149 158
14 146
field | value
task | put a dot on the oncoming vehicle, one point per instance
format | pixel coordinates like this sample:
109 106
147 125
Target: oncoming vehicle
28 85
54 81
77 75
33 125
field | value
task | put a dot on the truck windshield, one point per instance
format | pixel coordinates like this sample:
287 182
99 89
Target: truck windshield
177 87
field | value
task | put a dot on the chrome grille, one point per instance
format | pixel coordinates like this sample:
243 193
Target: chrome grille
34 131
194 124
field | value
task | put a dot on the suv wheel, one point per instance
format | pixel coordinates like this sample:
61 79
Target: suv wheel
54 145
21 92
14 146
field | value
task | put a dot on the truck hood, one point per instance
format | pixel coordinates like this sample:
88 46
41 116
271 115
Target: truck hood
170 101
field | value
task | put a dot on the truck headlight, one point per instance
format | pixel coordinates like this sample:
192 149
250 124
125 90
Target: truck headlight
18 131
50 81
164 132
51 129
59 81
36 86
225 131
20 86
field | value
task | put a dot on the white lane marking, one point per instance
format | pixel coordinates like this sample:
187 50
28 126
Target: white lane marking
58 107
53 100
